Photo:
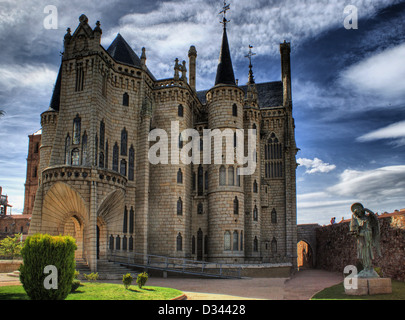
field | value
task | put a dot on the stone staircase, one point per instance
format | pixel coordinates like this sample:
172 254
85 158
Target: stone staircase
106 270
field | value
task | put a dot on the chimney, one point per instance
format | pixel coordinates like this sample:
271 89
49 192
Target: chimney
192 55
285 50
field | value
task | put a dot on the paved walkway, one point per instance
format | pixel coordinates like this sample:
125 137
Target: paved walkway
301 286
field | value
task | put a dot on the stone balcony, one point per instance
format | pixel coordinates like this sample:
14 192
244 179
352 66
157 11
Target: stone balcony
77 173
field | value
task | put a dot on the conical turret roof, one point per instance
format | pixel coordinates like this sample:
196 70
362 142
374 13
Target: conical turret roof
225 73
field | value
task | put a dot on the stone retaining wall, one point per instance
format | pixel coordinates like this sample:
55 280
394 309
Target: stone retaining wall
336 248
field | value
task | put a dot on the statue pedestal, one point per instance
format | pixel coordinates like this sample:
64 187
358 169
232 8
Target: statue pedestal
370 286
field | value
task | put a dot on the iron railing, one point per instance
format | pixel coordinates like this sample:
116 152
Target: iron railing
178 265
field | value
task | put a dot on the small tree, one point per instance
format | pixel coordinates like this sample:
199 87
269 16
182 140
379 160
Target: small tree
127 280
41 254
10 247
141 279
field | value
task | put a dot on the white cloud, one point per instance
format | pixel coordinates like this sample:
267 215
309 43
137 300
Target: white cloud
376 184
38 77
395 131
380 189
380 75
315 165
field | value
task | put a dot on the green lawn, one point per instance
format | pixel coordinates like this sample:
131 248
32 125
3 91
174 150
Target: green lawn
100 291
337 292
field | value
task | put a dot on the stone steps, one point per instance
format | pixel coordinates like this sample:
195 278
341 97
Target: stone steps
15 274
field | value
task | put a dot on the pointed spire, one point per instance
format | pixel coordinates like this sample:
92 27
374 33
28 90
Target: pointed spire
249 56
225 73
121 51
251 94
55 100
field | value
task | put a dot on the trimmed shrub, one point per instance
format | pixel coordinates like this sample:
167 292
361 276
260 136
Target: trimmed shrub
141 279
40 251
91 277
127 280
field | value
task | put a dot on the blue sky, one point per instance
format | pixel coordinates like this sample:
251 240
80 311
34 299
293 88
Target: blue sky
348 85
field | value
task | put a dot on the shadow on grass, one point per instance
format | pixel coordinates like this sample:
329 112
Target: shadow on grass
13 296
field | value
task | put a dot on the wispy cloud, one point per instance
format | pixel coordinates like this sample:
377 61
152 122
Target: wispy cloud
381 189
395 132
381 75
315 165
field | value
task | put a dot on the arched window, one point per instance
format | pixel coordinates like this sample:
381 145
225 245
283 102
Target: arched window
131 163
241 241
79 77
75 157
179 207
131 220
179 176
255 213
115 157
235 110
236 206
84 149
101 160
125 222
254 127
76 129
102 134
222 176
36 148
96 150
230 176
124 243
206 180
180 141
125 99
273 156
255 186
124 142
179 242
200 182
35 172
106 154
67 150
235 241
131 243
123 167
274 216
274 245
235 140
118 243
111 245
255 245
200 208
227 241
180 110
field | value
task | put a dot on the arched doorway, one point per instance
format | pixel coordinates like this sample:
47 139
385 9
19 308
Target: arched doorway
305 255
73 227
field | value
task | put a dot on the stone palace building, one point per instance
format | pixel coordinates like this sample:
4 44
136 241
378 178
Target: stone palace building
96 181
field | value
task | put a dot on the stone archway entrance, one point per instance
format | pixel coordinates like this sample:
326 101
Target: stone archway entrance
73 227
305 259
